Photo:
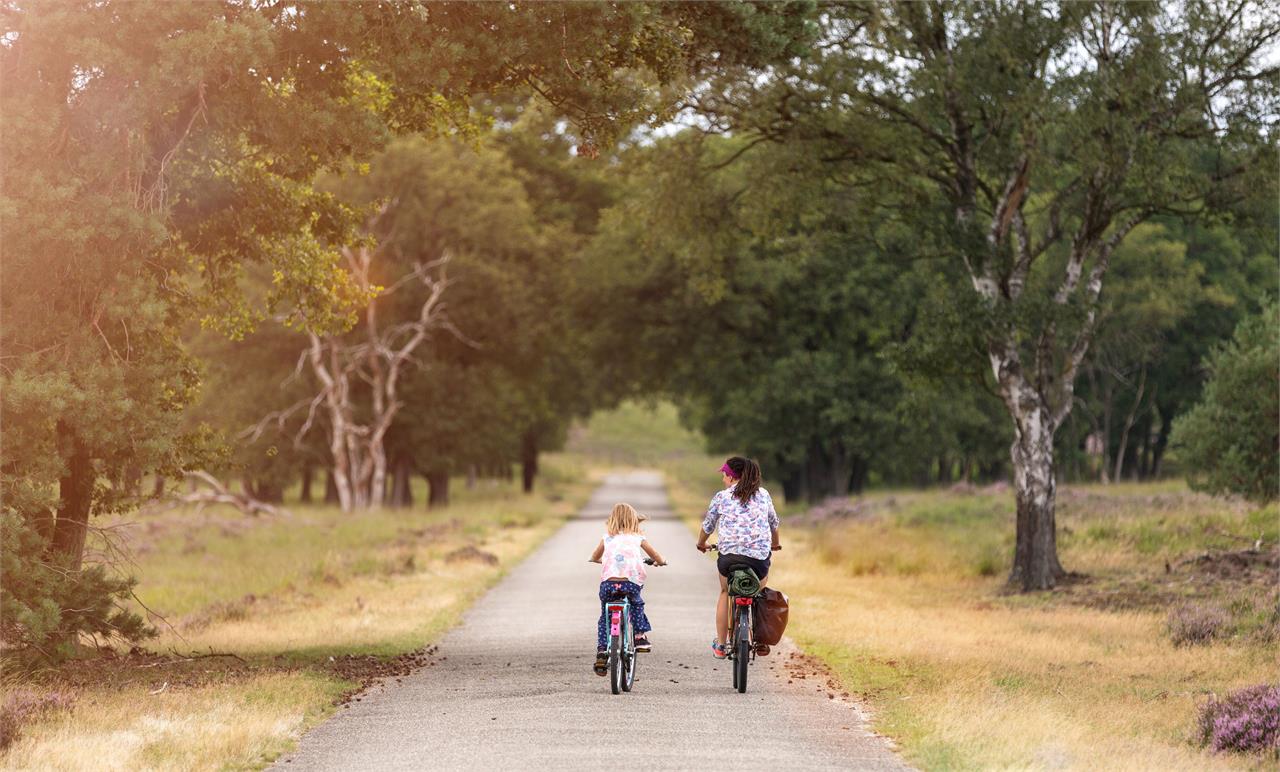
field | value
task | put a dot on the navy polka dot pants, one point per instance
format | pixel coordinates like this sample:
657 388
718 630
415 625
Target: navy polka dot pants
613 590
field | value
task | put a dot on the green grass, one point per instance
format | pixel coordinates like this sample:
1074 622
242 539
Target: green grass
635 434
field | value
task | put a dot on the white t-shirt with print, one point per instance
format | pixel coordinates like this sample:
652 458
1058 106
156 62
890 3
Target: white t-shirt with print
623 557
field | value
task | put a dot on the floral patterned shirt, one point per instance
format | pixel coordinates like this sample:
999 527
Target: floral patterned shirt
623 557
744 528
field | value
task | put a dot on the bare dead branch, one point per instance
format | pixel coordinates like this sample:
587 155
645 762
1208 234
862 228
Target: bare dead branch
218 493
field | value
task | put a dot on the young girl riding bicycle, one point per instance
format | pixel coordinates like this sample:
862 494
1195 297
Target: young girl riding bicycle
621 555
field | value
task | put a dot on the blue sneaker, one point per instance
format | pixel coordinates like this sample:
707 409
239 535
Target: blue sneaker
718 650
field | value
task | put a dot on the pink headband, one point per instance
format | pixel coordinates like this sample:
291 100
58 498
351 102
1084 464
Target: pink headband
726 469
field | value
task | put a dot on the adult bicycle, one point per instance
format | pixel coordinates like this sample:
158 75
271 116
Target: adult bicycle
740 649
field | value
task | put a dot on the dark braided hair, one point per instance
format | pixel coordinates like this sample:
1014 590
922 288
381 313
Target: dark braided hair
748 474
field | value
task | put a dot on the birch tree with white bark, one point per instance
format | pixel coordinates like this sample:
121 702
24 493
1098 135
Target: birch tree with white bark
1023 142
358 375
370 361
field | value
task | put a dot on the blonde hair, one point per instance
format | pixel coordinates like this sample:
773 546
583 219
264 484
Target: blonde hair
623 519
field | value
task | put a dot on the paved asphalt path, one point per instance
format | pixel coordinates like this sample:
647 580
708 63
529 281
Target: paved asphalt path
512 686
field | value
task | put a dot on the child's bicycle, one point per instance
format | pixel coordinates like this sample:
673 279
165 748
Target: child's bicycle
740 647
622 643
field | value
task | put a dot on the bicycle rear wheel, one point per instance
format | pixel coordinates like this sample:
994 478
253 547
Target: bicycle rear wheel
615 672
629 658
742 651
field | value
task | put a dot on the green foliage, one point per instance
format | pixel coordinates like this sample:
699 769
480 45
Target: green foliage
759 294
160 165
45 607
1230 441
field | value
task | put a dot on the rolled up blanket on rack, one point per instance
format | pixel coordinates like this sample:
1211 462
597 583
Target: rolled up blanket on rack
744 582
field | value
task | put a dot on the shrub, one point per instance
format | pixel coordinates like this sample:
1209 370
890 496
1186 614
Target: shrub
44 608
1247 721
1192 624
1229 440
22 707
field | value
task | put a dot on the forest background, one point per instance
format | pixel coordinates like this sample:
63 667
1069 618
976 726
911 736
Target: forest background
275 255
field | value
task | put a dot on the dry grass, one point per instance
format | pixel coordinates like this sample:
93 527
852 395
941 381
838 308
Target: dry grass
285 595
231 725
906 605
904 598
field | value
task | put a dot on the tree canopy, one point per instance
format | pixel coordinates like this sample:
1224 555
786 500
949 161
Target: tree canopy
161 163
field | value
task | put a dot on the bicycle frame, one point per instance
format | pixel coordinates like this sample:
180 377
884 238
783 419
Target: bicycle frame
741 620
621 645
741 631
618 612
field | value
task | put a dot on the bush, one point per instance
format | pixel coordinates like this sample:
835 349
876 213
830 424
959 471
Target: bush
22 707
45 608
1193 624
1230 441
1247 721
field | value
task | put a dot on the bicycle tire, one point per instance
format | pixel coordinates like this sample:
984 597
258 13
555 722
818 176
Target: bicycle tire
730 648
628 657
742 655
615 660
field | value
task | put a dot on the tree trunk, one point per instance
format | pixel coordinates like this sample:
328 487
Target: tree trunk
401 477
270 492
158 490
75 496
438 493
1144 449
1128 424
471 477
1162 442
991 471
378 477
1104 470
308 473
858 478
528 461
793 486
1035 559
330 488
818 482
829 472
133 481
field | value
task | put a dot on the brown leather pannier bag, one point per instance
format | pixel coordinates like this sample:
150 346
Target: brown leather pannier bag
771 617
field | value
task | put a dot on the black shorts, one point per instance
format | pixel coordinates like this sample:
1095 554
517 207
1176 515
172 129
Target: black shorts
727 563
